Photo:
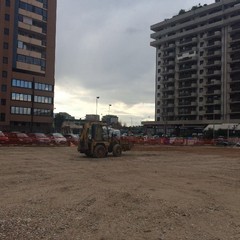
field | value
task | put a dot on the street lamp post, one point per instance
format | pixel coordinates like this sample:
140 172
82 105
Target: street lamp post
109 109
97 104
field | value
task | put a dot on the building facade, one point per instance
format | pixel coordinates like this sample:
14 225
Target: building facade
198 65
27 66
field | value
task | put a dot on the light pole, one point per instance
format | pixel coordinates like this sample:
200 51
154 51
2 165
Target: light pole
97 104
109 108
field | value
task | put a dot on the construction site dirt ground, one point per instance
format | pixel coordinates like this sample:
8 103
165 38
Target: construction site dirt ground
151 192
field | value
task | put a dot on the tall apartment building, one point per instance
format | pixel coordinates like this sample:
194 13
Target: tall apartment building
198 65
27 66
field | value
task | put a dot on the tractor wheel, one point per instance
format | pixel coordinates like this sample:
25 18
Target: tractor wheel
117 150
99 151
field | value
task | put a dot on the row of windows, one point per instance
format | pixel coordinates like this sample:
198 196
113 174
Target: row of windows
31 60
29 47
2 117
28 98
43 99
26 84
42 112
43 87
42 38
27 111
44 2
7 3
21 110
22 97
33 22
21 83
34 9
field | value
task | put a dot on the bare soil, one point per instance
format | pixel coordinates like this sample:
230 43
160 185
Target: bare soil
151 192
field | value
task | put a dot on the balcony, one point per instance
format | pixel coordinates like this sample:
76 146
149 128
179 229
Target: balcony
170 105
169 55
194 104
30 27
235 48
235 58
184 104
212 34
216 101
217 111
214 72
186 68
235 38
217 91
213 44
234 69
30 14
235 100
214 82
169 71
33 41
236 27
169 46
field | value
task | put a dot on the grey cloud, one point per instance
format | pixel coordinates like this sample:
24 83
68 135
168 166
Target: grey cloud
104 46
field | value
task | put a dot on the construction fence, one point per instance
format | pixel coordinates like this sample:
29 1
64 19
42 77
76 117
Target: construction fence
182 141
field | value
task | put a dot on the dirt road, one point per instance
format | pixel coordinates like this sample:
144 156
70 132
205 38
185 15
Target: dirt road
157 193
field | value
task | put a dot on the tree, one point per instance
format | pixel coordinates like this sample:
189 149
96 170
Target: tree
182 11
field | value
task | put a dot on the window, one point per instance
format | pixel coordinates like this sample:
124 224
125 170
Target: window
42 112
42 99
7 3
34 9
7 17
2 117
43 87
4 74
6 31
5 45
31 60
5 60
21 83
21 97
21 110
3 102
4 88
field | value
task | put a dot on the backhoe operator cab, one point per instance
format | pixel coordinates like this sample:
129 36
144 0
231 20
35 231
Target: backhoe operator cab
97 140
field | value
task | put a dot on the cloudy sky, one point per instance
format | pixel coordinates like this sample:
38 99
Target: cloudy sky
103 50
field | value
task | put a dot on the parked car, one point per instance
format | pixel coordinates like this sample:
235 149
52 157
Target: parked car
57 139
72 138
39 138
19 138
3 138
